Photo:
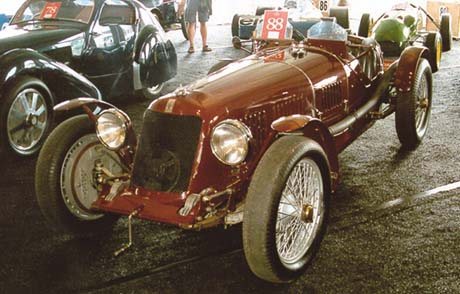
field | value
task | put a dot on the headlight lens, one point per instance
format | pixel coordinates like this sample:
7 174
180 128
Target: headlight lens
111 128
230 141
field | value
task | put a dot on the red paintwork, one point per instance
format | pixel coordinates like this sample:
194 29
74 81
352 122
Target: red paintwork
258 90
405 75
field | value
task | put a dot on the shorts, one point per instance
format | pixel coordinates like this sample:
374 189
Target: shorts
193 8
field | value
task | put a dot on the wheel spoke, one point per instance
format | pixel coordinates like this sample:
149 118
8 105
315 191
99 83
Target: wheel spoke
35 97
24 102
41 126
40 110
26 138
294 235
17 128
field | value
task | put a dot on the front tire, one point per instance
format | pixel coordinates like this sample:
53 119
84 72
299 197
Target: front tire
285 214
26 116
63 178
413 109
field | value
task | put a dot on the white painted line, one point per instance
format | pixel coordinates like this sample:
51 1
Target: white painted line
426 194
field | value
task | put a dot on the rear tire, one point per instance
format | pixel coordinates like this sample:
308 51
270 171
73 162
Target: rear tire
364 25
153 92
341 15
413 109
143 35
65 197
279 249
236 25
446 32
434 43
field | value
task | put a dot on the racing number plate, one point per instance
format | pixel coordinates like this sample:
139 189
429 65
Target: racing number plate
275 24
323 5
50 10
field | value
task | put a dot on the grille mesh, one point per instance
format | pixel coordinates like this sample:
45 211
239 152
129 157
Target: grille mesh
166 152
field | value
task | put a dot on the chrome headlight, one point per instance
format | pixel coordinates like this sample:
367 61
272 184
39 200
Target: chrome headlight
230 141
111 126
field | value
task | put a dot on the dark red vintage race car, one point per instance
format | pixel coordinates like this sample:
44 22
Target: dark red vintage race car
254 142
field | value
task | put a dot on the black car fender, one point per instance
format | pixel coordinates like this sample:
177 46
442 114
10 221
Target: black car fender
63 82
159 57
407 67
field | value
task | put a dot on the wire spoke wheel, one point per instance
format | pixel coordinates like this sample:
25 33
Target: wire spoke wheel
285 210
27 120
422 105
300 212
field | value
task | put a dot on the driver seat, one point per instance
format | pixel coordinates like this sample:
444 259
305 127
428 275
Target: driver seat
369 62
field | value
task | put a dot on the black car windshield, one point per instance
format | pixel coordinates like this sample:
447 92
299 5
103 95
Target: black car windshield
67 10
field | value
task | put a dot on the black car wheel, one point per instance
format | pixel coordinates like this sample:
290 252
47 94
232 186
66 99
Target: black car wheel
183 26
26 116
341 15
285 214
413 109
153 92
434 43
364 25
64 182
446 32
236 25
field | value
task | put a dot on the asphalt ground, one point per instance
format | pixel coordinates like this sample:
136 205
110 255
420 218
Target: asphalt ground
395 219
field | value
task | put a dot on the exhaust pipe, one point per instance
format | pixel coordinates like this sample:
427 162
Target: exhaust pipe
374 101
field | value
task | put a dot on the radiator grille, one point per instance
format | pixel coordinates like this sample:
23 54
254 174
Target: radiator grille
166 152
331 97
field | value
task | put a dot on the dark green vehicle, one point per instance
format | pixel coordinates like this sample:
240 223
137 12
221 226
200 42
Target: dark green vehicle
405 25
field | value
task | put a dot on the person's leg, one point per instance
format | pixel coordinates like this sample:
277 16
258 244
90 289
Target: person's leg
203 17
204 33
191 27
190 17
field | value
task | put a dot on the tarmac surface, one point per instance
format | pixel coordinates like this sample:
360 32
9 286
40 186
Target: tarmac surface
395 224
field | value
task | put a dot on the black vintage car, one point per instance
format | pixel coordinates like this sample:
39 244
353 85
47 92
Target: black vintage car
56 50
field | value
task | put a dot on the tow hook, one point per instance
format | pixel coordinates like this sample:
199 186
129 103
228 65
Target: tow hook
130 232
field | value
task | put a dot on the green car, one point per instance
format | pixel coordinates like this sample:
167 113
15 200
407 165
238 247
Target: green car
405 25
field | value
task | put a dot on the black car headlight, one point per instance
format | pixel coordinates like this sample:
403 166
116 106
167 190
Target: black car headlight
230 141
111 126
